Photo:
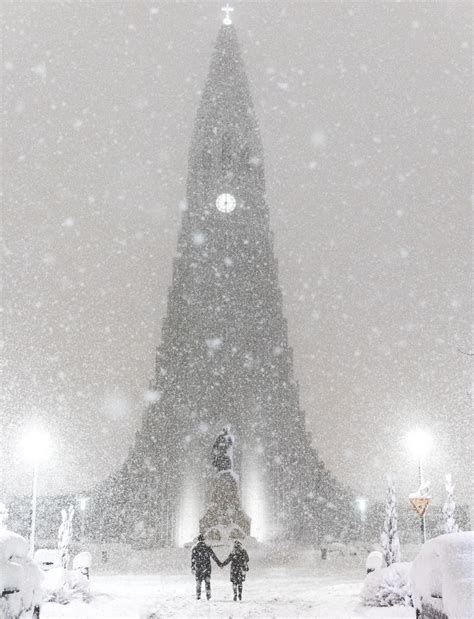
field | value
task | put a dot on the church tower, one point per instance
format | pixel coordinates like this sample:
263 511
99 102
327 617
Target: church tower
224 358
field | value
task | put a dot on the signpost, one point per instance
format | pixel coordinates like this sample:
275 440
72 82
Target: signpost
420 441
420 505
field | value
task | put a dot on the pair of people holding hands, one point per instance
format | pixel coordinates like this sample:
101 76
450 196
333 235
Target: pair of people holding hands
201 567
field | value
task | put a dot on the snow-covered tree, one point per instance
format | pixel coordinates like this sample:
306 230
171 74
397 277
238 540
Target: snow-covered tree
65 535
449 508
389 537
3 516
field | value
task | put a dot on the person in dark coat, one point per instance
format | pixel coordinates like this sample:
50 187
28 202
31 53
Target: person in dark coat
239 566
201 555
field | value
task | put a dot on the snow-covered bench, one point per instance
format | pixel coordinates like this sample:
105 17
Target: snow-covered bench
82 562
47 558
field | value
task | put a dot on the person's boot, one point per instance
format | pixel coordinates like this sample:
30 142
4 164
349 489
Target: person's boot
235 593
240 593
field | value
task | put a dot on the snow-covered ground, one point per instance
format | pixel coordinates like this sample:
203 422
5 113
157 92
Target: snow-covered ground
330 592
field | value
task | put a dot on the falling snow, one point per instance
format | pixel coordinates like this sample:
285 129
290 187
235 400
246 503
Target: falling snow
323 310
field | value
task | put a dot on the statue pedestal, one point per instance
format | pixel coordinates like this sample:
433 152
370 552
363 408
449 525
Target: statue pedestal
224 519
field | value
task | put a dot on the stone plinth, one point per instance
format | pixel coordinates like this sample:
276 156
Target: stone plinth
224 518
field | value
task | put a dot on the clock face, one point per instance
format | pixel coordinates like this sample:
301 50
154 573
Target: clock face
225 203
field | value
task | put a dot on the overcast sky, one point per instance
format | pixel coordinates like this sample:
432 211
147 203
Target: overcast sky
364 111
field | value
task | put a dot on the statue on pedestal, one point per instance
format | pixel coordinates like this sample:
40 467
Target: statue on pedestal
222 455
224 519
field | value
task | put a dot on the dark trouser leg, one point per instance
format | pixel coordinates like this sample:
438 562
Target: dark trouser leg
198 587
234 589
207 580
240 591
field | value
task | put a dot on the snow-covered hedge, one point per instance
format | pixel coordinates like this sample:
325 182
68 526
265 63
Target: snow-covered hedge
388 586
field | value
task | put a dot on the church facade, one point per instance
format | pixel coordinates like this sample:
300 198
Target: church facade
224 359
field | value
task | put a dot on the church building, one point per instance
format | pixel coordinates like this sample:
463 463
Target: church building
224 359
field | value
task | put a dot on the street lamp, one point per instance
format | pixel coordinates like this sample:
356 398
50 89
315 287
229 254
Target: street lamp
419 442
362 505
83 500
35 446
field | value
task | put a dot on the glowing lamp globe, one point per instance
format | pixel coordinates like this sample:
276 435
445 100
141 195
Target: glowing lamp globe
419 442
362 505
36 445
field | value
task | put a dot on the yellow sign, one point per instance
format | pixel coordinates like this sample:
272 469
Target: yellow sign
420 505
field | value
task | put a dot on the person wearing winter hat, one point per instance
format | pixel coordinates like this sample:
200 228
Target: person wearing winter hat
201 556
239 566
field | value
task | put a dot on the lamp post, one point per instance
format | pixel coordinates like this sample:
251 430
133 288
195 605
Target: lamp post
35 446
419 443
83 500
362 505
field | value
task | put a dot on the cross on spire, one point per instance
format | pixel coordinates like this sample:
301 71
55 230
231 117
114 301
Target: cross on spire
227 10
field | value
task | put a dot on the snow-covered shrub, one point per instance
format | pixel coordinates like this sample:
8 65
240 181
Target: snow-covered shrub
18 574
449 508
374 561
63 586
3 516
65 535
82 563
388 586
12 546
389 537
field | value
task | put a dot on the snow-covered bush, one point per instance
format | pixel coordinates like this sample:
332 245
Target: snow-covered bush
12 546
442 576
82 561
3 516
388 586
63 586
449 508
389 537
20 575
374 561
